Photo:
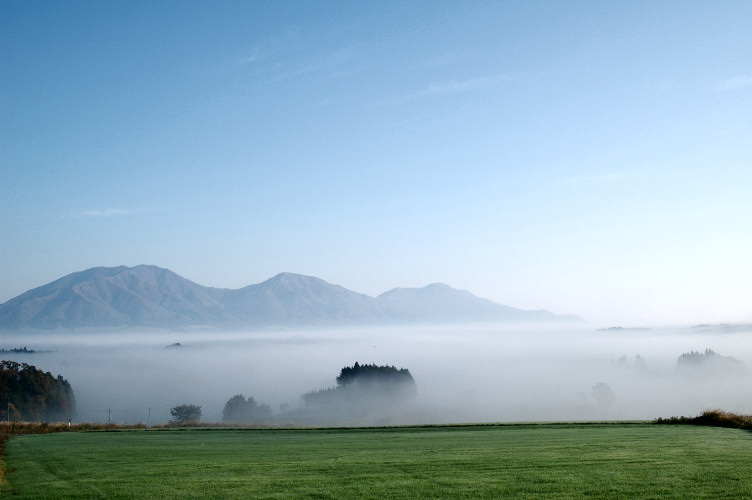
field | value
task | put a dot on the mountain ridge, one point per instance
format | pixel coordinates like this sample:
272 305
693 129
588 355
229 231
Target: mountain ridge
150 296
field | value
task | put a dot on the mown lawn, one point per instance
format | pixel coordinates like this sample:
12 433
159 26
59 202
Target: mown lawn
522 461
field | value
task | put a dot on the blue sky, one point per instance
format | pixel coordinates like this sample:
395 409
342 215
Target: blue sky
592 158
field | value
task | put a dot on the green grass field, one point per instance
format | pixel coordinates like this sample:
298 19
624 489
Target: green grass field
533 461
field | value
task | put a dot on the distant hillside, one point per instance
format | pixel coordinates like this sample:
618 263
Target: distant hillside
116 296
149 296
441 302
295 299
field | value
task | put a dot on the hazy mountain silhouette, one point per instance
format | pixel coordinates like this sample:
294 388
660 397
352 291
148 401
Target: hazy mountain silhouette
149 296
295 299
116 296
441 302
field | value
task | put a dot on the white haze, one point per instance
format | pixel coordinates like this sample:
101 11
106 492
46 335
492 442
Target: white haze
463 374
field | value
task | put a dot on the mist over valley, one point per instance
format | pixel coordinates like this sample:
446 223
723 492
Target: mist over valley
467 191
293 246
135 342
463 373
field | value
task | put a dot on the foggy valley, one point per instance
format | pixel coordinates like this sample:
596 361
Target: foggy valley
303 242
471 373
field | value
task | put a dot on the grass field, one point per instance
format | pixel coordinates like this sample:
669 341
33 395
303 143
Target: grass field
534 461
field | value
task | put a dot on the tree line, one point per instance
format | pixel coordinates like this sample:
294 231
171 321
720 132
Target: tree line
37 396
28 393
360 391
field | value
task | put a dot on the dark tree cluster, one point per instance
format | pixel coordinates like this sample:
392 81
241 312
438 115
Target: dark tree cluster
242 410
19 350
388 376
365 384
34 395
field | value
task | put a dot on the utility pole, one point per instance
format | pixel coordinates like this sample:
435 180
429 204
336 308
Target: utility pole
109 415
148 420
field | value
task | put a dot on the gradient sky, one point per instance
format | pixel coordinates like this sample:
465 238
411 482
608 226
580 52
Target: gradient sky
590 158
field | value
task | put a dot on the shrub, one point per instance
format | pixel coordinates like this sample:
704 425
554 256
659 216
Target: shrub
714 418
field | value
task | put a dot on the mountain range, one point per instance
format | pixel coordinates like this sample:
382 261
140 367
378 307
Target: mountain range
153 297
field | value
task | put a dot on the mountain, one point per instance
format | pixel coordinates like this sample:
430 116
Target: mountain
444 303
116 297
295 299
149 296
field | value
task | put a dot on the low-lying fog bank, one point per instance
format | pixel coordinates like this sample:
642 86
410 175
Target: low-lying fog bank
463 374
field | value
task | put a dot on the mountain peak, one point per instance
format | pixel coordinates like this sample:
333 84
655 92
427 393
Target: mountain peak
291 278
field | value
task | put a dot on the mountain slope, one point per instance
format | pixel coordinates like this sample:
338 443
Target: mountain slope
149 296
440 302
113 297
293 298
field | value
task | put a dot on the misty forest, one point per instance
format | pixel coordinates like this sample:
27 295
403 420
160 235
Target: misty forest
412 375
34 395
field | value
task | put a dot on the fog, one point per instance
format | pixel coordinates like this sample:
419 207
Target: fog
475 373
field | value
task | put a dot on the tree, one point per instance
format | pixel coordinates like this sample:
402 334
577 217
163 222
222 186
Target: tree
387 377
186 414
359 384
34 395
239 409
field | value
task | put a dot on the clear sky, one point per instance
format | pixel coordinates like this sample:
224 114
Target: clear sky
590 158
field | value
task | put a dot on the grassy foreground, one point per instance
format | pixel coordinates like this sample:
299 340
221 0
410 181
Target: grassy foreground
534 461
